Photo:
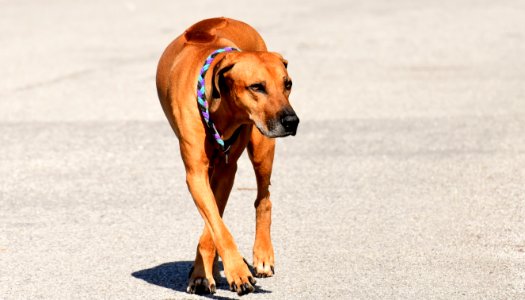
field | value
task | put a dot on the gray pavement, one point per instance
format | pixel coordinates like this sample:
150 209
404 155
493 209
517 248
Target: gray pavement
406 179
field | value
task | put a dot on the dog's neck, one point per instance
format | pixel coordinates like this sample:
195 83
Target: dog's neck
226 120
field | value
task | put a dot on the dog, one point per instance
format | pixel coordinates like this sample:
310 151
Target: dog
223 92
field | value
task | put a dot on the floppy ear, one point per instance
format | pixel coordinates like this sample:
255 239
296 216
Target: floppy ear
219 71
285 62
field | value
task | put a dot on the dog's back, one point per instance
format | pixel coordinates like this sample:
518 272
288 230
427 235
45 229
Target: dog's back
210 30
209 33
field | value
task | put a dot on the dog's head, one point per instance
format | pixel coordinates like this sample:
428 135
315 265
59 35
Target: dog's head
255 86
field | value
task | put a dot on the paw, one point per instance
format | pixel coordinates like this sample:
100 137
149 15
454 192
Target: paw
243 288
200 284
239 277
263 262
263 268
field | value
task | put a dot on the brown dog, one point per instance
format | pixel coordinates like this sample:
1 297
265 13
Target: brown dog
247 92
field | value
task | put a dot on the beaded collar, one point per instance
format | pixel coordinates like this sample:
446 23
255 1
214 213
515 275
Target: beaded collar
203 103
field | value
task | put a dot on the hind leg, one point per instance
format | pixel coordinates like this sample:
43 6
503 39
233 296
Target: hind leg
261 152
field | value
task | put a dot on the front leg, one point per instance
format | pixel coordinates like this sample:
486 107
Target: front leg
261 152
237 273
202 277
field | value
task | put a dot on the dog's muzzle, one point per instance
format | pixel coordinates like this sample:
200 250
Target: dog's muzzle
284 124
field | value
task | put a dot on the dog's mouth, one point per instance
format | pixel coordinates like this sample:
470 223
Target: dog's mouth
284 124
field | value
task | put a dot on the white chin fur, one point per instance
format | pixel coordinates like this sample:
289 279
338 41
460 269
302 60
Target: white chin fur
262 129
278 132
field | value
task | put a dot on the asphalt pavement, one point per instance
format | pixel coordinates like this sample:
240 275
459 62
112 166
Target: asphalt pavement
406 179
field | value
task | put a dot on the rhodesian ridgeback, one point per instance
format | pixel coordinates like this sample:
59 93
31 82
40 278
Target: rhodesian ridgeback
222 92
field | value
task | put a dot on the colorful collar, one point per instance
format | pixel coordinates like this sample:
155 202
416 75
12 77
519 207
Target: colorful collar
203 103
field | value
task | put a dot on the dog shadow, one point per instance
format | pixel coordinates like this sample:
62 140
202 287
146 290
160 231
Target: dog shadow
174 276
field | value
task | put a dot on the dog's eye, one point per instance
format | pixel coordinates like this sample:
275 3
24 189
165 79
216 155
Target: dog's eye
288 85
258 87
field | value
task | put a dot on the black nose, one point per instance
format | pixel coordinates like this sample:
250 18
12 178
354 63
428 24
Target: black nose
290 122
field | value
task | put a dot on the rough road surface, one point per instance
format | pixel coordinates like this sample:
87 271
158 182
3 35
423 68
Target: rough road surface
406 179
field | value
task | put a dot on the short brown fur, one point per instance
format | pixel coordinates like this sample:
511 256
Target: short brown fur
236 109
